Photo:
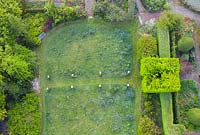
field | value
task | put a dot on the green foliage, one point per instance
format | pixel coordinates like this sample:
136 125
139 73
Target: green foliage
154 5
2 105
185 44
166 6
160 75
24 117
15 65
11 7
11 27
101 8
34 26
173 44
62 13
187 99
173 22
11 24
163 42
194 116
185 57
151 108
109 12
147 46
116 14
147 126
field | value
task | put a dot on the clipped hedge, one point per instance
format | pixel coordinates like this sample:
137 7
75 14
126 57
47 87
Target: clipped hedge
160 75
146 46
163 42
194 116
185 44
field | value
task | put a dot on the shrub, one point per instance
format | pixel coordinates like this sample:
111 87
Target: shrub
34 25
185 44
154 5
173 22
116 14
109 12
147 46
194 116
166 6
185 57
147 127
160 75
62 13
24 117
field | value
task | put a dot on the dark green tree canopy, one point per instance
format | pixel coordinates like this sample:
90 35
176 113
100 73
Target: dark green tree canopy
16 65
24 117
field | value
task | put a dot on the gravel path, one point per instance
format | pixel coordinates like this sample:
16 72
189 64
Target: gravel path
175 6
145 16
194 75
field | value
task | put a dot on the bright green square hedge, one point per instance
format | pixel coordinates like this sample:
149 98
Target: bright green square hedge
160 75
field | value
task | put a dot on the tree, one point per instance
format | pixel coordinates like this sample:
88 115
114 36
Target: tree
24 116
11 27
13 65
146 46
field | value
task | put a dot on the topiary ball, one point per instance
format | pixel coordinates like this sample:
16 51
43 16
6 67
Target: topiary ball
185 44
194 116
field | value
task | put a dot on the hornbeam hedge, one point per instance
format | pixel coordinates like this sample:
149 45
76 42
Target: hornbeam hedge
160 75
163 41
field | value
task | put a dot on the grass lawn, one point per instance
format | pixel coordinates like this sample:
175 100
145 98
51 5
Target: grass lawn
74 54
84 49
89 110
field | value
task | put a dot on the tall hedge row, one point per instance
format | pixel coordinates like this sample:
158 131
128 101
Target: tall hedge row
163 42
